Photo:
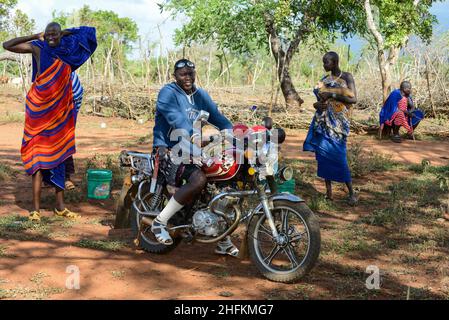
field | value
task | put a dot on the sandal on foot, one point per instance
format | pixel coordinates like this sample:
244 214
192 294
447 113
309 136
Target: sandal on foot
226 247
69 185
66 213
396 138
34 216
160 231
352 201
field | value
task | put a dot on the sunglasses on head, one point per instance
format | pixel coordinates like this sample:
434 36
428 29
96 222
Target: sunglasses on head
182 64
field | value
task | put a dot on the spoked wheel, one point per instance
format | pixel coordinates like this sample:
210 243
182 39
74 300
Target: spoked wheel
295 252
147 240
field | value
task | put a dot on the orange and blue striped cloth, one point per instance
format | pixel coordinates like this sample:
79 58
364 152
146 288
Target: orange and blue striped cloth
49 134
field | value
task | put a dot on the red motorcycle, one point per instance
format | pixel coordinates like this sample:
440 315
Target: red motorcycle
282 234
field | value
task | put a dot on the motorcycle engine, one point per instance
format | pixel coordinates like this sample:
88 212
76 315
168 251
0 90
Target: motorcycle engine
208 223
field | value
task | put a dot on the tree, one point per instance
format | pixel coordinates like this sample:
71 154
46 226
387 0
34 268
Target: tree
389 25
21 24
5 6
114 34
279 26
17 25
108 24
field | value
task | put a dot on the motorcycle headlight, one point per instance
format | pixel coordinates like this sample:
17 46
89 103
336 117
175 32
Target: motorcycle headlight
286 173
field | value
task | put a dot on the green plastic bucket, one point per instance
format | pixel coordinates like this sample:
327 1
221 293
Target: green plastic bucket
99 183
287 186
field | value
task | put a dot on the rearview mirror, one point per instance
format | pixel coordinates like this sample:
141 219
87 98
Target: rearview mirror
203 116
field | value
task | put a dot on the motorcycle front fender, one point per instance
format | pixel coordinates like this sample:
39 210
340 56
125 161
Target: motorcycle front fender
278 196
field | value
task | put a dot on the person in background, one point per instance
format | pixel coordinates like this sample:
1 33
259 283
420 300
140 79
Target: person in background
329 130
78 91
399 111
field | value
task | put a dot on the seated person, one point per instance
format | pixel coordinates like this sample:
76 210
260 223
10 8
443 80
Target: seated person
399 111
177 106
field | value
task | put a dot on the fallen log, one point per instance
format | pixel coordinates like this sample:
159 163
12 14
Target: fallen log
9 56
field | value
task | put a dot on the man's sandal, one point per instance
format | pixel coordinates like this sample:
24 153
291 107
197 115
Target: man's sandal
34 216
66 213
227 248
69 185
160 231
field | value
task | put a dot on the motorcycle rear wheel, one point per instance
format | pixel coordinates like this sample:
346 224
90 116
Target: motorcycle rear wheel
283 263
147 240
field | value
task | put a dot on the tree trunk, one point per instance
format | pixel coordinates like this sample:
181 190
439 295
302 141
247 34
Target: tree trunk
291 96
385 66
283 59
384 75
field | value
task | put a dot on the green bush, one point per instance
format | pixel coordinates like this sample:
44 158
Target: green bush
362 163
320 203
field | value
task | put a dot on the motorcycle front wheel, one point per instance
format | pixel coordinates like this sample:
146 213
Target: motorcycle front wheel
295 256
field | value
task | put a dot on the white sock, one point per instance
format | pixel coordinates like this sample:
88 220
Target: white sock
170 209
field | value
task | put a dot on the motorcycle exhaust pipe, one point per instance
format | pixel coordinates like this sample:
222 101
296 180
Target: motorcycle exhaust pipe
146 220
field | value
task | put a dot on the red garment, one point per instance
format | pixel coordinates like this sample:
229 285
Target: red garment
49 134
399 118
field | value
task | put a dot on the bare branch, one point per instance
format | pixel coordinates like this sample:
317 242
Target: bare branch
299 36
393 55
275 43
9 56
372 25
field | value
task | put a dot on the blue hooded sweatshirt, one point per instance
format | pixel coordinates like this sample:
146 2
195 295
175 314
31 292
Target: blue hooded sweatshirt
176 110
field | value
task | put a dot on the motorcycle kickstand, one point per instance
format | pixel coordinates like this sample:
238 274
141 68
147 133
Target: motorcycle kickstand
137 240
187 236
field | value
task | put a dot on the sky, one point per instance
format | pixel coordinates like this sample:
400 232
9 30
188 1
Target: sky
145 13
148 16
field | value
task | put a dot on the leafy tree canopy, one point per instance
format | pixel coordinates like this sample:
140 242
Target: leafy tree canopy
108 24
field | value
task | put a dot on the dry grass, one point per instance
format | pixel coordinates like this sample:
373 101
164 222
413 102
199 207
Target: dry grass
7 172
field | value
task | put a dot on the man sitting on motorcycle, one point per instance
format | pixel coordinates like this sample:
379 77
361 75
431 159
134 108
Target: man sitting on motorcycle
178 105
